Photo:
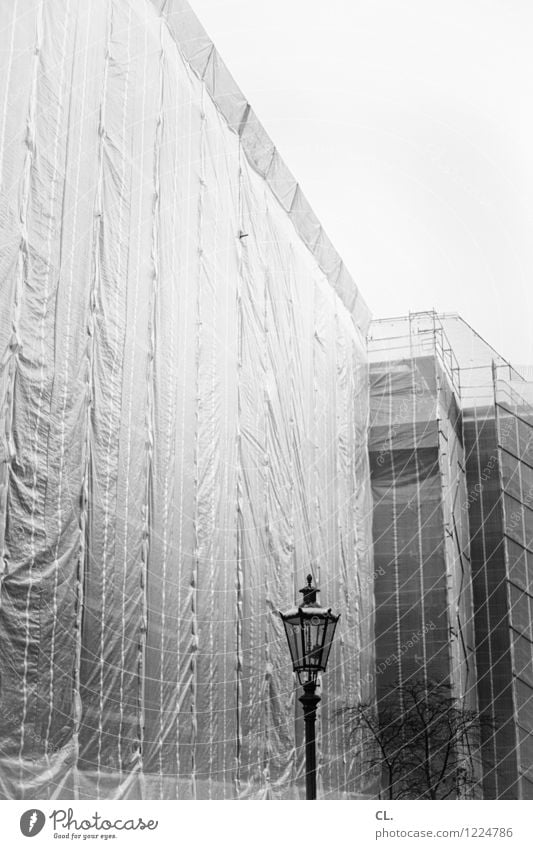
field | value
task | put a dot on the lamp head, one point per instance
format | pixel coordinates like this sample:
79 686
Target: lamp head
310 629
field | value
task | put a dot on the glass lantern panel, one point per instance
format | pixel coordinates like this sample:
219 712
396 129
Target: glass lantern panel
314 638
294 639
328 639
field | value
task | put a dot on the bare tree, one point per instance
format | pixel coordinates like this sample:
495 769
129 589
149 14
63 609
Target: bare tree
422 740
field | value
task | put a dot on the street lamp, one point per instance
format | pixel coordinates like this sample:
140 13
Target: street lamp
310 629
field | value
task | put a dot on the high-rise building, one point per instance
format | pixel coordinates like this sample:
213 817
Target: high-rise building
486 515
183 409
497 416
423 591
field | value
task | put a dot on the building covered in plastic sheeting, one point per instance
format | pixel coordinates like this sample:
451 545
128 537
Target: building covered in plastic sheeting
183 401
514 433
496 407
424 614
498 428
496 404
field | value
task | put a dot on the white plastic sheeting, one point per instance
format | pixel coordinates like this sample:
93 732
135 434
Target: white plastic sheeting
183 402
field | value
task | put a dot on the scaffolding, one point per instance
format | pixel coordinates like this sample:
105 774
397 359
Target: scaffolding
485 404
424 606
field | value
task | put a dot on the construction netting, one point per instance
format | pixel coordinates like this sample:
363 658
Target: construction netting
424 617
495 600
184 406
514 423
491 414
496 403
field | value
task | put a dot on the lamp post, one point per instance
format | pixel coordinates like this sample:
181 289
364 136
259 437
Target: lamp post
310 629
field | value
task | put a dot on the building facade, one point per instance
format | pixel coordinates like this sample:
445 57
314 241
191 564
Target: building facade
423 589
183 405
486 510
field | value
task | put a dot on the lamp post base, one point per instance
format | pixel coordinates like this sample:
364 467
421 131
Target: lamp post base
309 702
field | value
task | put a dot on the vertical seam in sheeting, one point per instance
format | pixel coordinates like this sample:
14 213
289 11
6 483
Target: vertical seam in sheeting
214 570
319 554
395 549
239 517
24 266
487 595
360 587
168 469
14 344
341 507
333 735
196 556
86 485
96 287
327 552
419 529
369 549
356 684
183 440
124 248
506 617
266 466
225 489
150 413
84 499
53 200
63 411
443 467
130 395
7 84
294 395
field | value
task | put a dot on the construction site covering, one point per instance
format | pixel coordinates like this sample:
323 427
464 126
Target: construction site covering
424 613
183 414
492 418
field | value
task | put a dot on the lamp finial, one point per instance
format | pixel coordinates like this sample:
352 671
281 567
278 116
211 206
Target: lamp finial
309 594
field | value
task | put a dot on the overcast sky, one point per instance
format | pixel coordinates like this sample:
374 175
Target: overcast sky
409 126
